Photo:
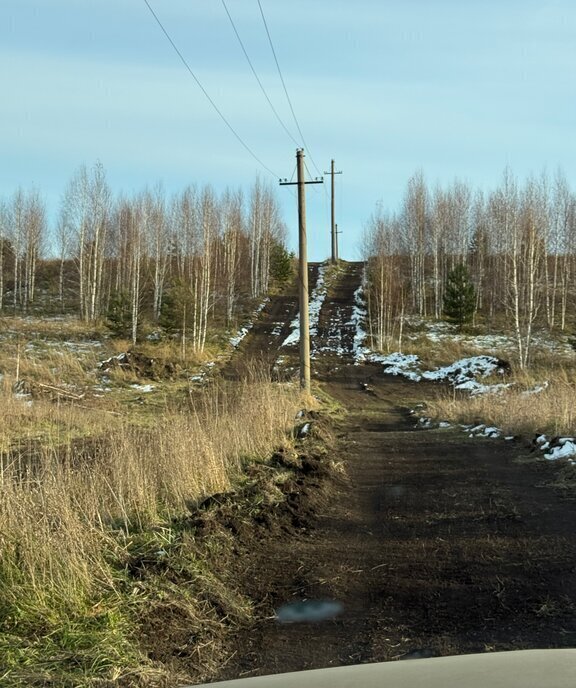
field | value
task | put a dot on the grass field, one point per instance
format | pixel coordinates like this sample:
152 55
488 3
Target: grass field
98 471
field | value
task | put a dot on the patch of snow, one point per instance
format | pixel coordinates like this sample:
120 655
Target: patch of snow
564 451
315 304
316 300
294 336
536 390
462 371
399 364
462 374
243 331
444 424
438 332
143 388
358 318
304 430
235 341
483 430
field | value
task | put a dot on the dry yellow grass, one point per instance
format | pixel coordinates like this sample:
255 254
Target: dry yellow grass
68 512
88 477
518 410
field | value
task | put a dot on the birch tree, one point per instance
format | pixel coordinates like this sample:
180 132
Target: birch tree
17 233
232 224
415 218
86 207
34 237
158 239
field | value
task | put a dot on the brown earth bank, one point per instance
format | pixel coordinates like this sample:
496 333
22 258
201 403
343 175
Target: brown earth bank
434 544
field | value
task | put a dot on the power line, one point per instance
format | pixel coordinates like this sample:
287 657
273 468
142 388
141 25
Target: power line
205 92
285 89
256 75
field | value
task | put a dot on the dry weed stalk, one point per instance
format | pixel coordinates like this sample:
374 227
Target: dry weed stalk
518 410
68 511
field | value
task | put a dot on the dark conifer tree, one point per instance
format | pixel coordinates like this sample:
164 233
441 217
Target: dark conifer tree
459 296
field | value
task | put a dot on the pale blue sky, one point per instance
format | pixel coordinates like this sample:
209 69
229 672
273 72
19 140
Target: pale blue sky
458 89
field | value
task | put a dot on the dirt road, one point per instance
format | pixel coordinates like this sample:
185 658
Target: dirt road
435 544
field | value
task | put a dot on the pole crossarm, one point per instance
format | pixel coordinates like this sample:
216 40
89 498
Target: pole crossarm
314 181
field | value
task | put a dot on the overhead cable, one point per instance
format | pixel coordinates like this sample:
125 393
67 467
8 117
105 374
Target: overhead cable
205 92
256 75
284 86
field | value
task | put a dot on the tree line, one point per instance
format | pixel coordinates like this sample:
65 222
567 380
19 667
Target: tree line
187 259
517 243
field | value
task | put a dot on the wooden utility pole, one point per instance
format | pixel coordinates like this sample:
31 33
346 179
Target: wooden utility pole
333 219
303 270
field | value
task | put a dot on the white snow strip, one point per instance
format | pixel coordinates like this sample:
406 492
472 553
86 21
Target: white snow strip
462 374
235 341
564 451
144 388
294 336
358 318
243 331
536 390
316 300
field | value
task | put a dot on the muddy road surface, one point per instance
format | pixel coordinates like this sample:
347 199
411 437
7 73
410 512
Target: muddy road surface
432 544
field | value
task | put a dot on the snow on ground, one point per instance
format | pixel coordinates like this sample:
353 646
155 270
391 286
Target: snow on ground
563 451
359 316
243 331
334 337
294 336
143 388
462 374
551 449
316 301
439 332
84 347
406 365
204 373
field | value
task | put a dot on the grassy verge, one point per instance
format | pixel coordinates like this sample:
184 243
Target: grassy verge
96 543
539 401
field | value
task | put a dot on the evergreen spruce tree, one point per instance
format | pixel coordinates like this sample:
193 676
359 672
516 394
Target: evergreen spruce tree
459 296
119 315
281 264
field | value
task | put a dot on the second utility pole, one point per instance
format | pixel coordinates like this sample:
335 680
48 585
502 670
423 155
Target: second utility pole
333 223
303 271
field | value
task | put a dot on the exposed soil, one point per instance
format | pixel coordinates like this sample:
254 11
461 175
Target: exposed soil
435 544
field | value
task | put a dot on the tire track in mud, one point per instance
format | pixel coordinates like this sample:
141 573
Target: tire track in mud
435 544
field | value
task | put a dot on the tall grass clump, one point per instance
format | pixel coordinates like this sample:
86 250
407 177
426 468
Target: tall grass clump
524 409
69 513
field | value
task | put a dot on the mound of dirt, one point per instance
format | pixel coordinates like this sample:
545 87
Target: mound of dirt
141 365
231 533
